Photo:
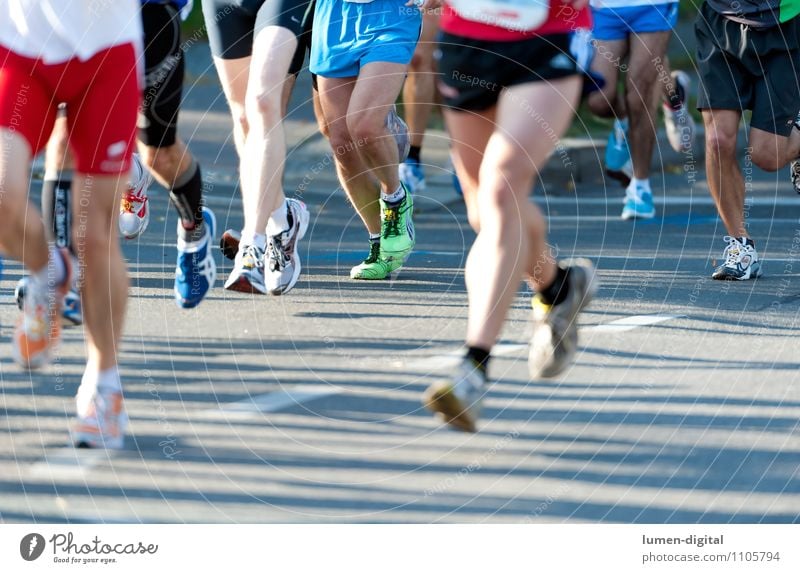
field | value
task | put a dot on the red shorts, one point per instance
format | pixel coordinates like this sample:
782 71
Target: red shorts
102 96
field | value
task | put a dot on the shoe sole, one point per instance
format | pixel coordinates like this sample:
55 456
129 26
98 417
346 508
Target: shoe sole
85 440
629 216
304 220
440 400
243 285
752 276
363 278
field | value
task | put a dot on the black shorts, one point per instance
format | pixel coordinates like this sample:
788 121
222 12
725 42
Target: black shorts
231 25
749 68
164 70
473 73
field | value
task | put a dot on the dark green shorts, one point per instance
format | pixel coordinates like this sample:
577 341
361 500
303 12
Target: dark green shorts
742 67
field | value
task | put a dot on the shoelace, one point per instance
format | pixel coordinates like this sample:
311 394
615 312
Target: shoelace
391 220
733 252
255 255
374 253
128 200
276 253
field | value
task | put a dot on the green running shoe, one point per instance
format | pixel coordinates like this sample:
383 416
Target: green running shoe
397 231
374 267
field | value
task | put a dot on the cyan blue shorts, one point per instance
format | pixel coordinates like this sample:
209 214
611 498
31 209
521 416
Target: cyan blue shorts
348 35
619 23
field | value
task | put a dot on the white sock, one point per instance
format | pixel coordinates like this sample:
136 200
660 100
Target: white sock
642 184
278 220
256 239
54 272
374 237
91 381
395 197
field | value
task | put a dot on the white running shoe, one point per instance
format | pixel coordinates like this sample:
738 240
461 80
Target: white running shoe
680 124
104 424
134 209
457 400
282 263
741 261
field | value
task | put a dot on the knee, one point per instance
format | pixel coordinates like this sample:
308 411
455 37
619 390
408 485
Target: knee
637 99
239 115
600 103
92 241
497 196
474 218
342 143
324 128
766 157
720 142
266 106
366 128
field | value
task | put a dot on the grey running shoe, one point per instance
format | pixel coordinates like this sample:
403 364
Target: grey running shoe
794 172
398 128
555 334
680 123
282 261
741 262
458 400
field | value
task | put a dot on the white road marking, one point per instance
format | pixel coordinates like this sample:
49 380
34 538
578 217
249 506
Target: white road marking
66 463
274 401
631 322
452 358
697 201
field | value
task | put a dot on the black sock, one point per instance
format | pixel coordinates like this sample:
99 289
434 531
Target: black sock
56 207
479 357
558 289
748 241
187 197
414 152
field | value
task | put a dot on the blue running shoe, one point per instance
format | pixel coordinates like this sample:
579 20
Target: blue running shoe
196 270
618 155
71 311
638 203
412 175
72 308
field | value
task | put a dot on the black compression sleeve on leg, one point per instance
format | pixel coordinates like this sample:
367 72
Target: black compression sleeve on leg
56 207
187 197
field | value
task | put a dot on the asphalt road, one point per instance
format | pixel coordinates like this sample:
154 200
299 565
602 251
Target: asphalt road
682 406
